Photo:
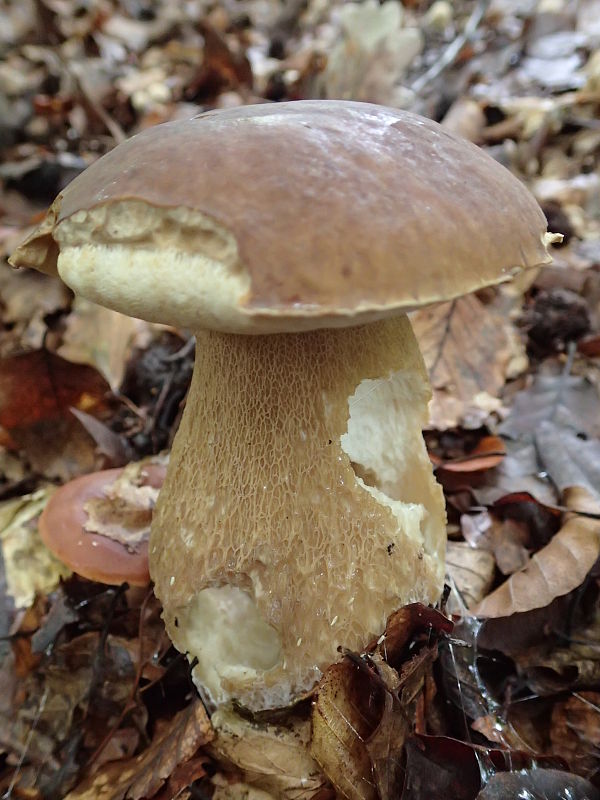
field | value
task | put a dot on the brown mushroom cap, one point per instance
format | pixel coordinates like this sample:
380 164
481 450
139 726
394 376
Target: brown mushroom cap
288 217
92 555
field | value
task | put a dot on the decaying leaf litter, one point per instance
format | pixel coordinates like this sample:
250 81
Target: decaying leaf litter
498 695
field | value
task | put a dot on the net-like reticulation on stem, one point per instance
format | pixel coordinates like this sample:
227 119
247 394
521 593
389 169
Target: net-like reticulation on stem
300 490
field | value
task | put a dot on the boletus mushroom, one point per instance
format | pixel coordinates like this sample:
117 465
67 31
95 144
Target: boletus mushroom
299 508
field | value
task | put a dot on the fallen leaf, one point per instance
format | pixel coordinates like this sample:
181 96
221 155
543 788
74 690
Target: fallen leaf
468 348
347 710
487 453
55 443
554 665
103 339
460 661
273 758
508 539
28 295
61 613
472 571
568 459
404 693
568 401
575 732
519 472
50 385
546 784
404 626
371 53
182 777
553 571
142 776
427 776
30 567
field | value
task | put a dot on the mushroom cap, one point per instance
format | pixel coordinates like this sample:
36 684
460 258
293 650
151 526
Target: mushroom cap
93 555
288 217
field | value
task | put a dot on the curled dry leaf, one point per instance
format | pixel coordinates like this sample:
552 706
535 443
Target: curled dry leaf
553 571
468 348
142 776
487 453
403 626
272 758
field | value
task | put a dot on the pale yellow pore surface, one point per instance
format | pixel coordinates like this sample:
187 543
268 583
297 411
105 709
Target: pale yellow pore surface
169 265
262 505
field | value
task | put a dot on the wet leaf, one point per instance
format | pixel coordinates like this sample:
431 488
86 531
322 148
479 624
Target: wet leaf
542 784
142 776
404 694
567 661
182 777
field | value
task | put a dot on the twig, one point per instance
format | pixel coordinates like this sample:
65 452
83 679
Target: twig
450 54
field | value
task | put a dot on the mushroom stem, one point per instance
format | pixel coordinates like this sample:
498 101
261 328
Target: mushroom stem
299 509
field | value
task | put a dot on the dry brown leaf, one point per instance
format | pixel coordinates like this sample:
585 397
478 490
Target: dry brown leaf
487 453
343 718
569 401
183 776
142 776
29 566
472 570
37 391
103 338
273 758
41 387
468 349
553 571
27 294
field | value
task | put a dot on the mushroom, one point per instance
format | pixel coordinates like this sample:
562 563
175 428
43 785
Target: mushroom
299 508
98 524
